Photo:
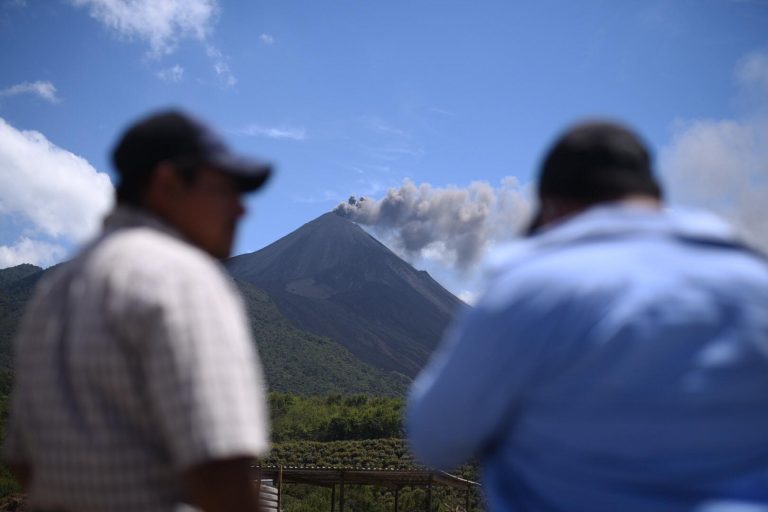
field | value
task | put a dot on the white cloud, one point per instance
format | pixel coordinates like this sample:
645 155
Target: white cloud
172 74
752 71
394 152
442 111
161 24
221 66
45 90
282 132
722 164
366 168
35 252
58 194
267 39
380 126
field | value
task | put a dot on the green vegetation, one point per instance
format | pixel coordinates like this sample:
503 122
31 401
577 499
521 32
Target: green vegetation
16 285
376 453
299 362
328 431
306 498
372 453
8 484
350 431
13 274
334 417
327 407
294 361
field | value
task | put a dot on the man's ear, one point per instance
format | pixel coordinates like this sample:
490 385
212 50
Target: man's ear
164 187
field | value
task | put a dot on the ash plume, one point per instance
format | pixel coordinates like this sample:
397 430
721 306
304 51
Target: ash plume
722 164
452 225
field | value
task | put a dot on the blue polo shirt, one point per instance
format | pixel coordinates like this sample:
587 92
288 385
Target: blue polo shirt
617 362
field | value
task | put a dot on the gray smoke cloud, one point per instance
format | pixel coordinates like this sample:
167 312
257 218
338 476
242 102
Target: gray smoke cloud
453 226
715 164
722 164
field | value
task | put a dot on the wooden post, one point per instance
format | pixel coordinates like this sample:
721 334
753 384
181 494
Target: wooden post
341 495
279 487
397 499
469 490
333 497
469 495
257 471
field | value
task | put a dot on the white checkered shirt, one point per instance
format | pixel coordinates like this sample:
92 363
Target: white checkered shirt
134 361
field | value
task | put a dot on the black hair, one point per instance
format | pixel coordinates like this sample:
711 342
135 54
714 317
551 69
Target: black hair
596 162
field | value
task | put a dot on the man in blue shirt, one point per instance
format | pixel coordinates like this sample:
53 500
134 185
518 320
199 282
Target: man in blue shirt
618 360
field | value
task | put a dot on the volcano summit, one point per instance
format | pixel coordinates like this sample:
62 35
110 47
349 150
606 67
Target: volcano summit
331 278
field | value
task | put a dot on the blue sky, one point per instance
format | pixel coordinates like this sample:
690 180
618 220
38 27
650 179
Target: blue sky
448 105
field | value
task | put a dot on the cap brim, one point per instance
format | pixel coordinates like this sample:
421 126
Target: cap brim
250 174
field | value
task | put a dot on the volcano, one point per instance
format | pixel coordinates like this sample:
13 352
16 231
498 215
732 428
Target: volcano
333 279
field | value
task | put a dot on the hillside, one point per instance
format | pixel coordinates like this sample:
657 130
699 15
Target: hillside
13 274
300 362
332 310
331 278
294 360
16 287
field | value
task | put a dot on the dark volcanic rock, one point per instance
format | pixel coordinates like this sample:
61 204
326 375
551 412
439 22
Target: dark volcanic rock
332 278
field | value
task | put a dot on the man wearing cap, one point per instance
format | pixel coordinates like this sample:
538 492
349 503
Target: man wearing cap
138 387
618 359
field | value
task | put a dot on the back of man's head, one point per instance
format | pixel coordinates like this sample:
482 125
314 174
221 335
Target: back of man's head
595 162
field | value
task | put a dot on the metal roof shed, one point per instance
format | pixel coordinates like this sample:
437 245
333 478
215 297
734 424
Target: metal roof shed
341 476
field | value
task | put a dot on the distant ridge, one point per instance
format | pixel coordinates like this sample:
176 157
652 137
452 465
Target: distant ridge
11 275
16 287
331 278
294 361
332 310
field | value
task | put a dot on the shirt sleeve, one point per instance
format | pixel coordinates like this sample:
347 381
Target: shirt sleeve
202 373
471 390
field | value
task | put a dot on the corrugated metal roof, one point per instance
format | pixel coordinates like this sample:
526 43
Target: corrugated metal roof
328 476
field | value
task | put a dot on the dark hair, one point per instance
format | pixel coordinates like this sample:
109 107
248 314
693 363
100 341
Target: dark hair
595 162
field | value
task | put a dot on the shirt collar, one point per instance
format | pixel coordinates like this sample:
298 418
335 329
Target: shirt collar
619 220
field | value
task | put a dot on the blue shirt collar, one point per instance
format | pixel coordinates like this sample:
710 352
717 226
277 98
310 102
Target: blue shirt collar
616 219
619 220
